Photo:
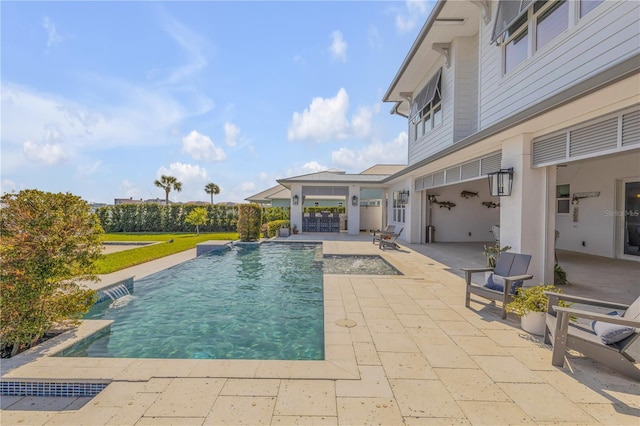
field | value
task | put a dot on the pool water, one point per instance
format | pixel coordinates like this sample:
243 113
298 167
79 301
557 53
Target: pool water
248 303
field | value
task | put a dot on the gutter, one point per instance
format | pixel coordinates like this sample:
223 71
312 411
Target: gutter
608 77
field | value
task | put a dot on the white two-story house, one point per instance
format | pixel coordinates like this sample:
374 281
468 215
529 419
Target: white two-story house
546 91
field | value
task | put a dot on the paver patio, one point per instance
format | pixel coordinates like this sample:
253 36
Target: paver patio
416 355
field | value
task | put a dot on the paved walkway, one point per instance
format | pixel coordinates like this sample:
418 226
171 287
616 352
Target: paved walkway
415 355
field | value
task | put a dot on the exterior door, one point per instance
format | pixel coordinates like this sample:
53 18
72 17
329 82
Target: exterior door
629 219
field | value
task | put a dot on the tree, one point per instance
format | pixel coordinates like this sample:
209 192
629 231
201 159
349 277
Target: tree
249 222
197 217
168 183
211 188
48 246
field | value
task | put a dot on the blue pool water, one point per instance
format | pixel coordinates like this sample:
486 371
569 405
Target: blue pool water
248 303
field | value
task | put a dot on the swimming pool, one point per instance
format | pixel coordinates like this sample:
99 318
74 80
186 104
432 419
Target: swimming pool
248 303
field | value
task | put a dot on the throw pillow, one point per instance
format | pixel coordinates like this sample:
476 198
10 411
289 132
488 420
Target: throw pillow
494 282
611 333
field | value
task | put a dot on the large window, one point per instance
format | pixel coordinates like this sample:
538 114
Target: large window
550 21
522 27
398 208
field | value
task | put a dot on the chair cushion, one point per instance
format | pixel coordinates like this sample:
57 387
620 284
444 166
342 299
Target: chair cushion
611 333
496 282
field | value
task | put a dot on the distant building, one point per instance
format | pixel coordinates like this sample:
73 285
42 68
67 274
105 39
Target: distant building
130 200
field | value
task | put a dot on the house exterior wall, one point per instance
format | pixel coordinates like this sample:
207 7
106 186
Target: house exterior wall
595 225
606 36
465 88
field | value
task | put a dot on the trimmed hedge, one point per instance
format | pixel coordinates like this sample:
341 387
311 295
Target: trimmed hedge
274 225
159 218
249 221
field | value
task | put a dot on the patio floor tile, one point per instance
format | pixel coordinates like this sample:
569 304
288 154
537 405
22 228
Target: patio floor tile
506 369
305 420
368 411
494 413
306 398
399 365
186 398
424 398
470 385
251 387
247 410
373 383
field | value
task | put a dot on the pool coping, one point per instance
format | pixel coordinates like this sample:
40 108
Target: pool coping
40 364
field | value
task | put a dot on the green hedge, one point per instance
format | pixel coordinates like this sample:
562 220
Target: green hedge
249 220
274 225
324 209
159 218
270 214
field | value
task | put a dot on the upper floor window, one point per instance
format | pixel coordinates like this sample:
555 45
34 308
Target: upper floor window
544 20
587 6
426 109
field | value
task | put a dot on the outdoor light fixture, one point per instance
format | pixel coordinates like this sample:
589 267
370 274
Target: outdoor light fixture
295 200
500 182
354 201
403 197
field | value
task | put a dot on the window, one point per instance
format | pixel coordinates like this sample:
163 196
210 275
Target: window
551 21
516 49
563 200
544 20
398 208
587 6
426 109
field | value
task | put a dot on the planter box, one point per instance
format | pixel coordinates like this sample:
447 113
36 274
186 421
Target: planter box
284 232
534 322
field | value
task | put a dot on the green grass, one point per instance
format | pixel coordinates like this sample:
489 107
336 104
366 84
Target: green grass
181 242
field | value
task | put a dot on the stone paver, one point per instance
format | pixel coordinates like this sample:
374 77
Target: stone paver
416 356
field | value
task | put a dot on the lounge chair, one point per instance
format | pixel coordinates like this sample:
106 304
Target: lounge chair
509 273
389 240
377 235
606 338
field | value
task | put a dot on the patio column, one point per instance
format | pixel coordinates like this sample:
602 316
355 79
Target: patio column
296 210
353 212
526 223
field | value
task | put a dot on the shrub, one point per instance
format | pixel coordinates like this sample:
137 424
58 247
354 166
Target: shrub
270 214
197 217
249 222
49 244
274 225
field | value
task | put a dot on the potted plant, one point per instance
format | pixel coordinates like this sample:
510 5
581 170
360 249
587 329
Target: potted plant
492 253
530 304
295 229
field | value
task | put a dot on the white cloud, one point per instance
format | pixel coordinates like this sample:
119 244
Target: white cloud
46 153
52 34
231 134
200 147
391 152
7 186
414 13
128 189
247 186
374 38
324 119
299 59
193 179
314 167
87 169
338 48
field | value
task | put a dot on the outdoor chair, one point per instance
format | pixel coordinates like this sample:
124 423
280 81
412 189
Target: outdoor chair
377 235
389 240
605 338
501 285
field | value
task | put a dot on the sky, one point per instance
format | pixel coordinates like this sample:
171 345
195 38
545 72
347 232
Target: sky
102 98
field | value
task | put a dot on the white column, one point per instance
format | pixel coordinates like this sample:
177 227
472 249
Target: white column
296 210
525 224
413 222
353 212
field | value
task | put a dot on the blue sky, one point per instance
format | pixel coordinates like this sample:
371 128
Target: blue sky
101 98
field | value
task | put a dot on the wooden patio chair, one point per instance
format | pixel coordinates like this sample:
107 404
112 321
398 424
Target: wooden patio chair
509 273
377 235
389 240
606 339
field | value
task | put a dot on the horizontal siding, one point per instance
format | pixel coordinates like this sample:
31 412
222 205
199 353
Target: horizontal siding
550 148
631 128
465 116
595 43
594 138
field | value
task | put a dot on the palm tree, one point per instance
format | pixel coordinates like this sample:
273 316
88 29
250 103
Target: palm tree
168 183
212 188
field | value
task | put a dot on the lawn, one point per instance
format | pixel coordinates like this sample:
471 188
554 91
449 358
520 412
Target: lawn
180 242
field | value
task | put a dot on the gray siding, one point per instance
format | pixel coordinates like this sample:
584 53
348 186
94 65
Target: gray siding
465 64
608 35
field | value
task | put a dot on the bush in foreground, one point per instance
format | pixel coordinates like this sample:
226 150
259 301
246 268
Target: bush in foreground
49 244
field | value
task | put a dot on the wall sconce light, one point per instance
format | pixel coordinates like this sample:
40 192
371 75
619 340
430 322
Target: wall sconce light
500 182
296 199
403 197
354 201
